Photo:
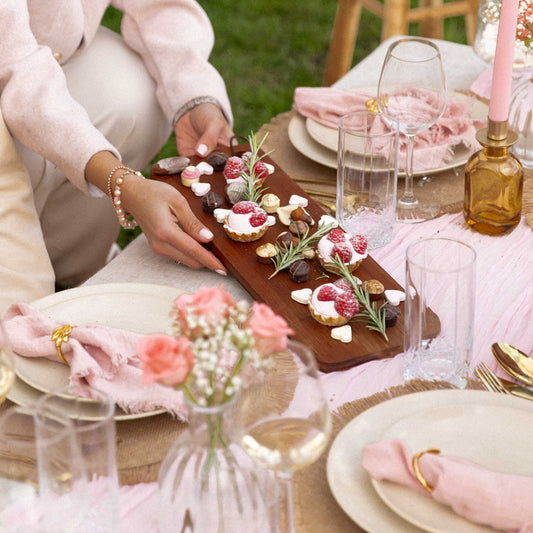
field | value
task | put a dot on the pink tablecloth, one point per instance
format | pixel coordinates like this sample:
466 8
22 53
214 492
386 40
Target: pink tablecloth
504 300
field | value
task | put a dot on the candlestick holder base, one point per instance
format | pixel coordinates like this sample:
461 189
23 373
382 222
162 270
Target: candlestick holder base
493 182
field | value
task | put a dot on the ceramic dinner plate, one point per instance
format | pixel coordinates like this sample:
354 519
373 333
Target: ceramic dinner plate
137 307
319 143
351 486
479 433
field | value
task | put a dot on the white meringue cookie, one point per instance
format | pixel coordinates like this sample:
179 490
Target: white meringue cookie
343 334
200 189
298 200
326 219
394 297
221 214
302 296
205 168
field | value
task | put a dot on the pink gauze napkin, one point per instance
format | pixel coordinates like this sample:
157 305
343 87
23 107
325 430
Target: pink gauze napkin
502 501
104 358
433 147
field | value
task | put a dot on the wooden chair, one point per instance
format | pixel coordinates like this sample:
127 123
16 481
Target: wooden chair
396 16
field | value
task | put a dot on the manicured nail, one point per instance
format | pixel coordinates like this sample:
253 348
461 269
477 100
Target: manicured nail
206 234
201 149
221 272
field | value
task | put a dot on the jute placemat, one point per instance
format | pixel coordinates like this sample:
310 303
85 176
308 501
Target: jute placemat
316 511
445 188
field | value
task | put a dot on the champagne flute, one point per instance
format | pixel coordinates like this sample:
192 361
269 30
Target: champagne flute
7 364
285 421
412 90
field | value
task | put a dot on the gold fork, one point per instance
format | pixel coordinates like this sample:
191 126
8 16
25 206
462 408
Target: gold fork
493 383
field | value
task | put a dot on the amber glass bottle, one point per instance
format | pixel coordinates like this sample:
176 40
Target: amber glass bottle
493 189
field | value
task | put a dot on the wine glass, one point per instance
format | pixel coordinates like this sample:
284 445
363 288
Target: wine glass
7 364
42 479
284 421
412 90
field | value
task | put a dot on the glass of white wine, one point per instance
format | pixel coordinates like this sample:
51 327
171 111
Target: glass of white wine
7 364
284 421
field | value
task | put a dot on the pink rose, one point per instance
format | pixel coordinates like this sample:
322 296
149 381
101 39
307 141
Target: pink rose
270 331
211 302
167 360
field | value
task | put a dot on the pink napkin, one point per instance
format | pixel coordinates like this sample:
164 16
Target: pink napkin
102 357
433 147
502 501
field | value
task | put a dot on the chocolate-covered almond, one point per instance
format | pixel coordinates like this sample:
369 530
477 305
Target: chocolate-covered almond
285 239
217 160
211 201
170 165
298 227
299 272
301 214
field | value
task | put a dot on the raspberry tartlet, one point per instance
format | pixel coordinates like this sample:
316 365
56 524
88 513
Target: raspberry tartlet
236 168
333 304
246 222
350 249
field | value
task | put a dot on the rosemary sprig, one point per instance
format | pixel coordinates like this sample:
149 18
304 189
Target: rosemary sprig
254 190
373 315
287 256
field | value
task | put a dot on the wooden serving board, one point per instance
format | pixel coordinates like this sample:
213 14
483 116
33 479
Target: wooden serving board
240 259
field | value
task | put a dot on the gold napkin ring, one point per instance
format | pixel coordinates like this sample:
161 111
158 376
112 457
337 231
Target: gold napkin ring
60 335
416 468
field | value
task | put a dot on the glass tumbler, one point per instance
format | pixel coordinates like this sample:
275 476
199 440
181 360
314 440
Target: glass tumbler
439 310
92 415
367 176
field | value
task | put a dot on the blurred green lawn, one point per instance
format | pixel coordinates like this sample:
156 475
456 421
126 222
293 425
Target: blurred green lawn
264 49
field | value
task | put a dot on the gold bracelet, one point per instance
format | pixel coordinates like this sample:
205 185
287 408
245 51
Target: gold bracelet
416 468
125 219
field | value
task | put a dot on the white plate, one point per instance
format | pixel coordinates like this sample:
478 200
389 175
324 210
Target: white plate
479 433
137 307
319 143
351 485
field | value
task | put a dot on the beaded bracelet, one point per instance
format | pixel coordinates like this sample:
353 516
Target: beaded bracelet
110 177
125 219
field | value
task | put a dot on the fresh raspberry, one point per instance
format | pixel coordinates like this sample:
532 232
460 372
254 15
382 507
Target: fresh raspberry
244 208
336 235
261 171
234 167
359 243
326 293
343 285
258 219
346 305
342 251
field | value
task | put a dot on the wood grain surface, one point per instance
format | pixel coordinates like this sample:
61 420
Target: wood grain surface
240 259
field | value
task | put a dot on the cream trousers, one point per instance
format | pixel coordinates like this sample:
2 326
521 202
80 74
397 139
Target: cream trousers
50 232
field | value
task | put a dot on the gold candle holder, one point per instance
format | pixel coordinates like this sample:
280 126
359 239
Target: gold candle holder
493 182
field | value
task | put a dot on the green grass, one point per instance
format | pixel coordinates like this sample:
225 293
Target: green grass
266 48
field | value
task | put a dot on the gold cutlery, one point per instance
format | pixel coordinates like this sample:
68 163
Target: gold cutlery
515 362
493 383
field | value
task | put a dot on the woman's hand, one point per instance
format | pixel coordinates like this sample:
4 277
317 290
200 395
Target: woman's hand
168 222
201 129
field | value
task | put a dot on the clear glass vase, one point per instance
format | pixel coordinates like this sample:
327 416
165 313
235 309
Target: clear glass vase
208 484
521 120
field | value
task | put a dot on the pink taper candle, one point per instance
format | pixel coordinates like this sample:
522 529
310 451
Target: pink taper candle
503 62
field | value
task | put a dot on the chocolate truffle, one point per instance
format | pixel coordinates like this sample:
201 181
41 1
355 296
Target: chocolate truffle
284 240
211 201
392 314
299 272
266 252
217 160
374 288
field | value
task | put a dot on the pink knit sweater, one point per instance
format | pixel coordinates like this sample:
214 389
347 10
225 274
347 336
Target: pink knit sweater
173 37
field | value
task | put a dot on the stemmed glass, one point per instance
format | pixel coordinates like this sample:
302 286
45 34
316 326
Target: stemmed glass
284 420
7 364
412 90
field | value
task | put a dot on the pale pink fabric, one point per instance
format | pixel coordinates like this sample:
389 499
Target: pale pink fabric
483 83
173 37
504 301
103 357
433 147
502 501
